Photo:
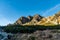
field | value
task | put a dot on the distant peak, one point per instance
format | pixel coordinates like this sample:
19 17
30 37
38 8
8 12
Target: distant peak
36 15
29 16
57 14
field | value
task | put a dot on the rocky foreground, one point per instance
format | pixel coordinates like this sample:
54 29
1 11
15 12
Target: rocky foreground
38 35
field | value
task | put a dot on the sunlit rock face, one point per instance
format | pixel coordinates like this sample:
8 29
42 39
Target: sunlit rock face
55 20
59 19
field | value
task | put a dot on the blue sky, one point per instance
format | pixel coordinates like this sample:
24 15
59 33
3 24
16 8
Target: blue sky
11 10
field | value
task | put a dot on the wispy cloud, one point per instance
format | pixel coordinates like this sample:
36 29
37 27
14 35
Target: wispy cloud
3 20
52 10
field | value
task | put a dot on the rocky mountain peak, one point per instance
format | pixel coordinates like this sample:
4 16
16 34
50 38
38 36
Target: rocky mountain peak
57 14
30 18
22 20
37 17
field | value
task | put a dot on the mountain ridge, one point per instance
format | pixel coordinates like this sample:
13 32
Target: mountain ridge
39 20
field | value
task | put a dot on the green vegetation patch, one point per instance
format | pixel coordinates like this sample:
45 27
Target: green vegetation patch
28 29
